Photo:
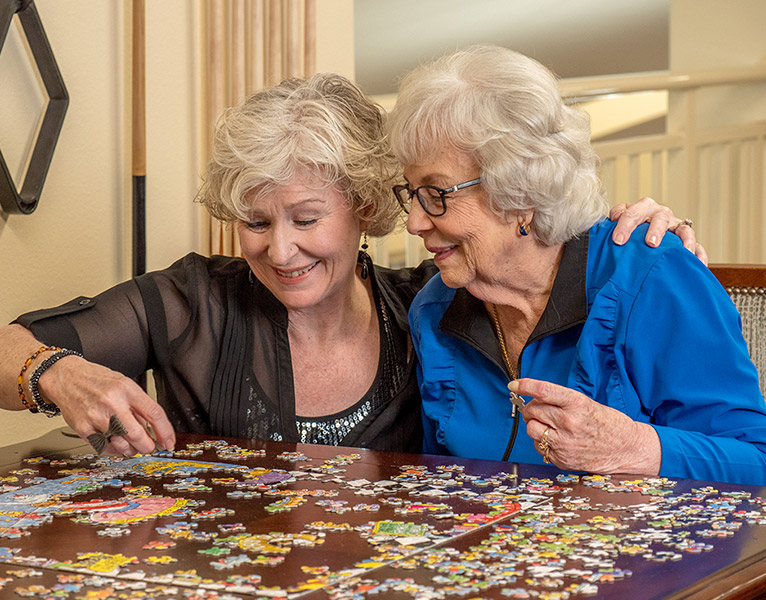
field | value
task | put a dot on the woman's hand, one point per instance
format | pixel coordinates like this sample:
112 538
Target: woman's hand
660 219
584 435
88 394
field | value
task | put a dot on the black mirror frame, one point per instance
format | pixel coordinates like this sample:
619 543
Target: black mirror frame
27 200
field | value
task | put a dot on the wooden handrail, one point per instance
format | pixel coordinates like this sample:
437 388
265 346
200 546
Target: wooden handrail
581 88
576 89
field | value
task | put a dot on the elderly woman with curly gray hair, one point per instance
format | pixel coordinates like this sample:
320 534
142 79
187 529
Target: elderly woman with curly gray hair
630 359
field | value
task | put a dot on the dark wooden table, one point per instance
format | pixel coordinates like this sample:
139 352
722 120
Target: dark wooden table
363 525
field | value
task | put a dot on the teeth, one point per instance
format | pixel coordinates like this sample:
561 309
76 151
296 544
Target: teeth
293 274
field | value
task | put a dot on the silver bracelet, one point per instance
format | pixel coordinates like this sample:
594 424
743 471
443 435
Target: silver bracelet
48 409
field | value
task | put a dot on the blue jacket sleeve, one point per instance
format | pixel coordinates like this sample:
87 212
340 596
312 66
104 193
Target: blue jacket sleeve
694 375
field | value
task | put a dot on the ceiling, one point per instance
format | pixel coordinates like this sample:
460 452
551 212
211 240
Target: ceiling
572 37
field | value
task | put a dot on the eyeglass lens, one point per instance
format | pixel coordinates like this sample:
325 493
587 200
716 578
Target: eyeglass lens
430 198
402 194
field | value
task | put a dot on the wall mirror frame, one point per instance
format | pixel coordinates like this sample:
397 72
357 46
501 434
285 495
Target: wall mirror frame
26 199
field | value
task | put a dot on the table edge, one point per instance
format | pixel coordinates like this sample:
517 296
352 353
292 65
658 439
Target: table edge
744 580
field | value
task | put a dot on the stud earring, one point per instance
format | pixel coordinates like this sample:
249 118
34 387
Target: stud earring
365 258
524 228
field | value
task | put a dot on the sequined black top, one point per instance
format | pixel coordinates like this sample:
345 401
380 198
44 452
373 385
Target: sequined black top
332 429
216 341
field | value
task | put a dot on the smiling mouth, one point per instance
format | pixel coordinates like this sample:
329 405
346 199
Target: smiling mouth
441 250
298 273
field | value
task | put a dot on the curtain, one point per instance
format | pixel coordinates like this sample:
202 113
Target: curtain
251 44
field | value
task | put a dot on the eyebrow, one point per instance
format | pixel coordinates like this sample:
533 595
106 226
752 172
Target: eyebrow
291 206
430 179
300 203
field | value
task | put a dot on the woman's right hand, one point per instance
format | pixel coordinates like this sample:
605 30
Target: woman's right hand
584 435
88 394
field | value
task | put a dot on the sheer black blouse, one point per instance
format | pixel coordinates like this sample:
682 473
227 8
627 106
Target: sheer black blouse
216 341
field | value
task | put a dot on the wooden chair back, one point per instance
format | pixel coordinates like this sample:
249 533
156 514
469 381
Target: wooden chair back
746 285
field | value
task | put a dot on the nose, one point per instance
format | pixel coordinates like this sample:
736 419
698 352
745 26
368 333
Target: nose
418 221
282 246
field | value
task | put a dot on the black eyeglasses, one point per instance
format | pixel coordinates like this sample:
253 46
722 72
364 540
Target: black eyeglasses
431 198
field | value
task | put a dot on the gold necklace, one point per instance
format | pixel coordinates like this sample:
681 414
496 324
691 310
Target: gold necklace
516 400
501 341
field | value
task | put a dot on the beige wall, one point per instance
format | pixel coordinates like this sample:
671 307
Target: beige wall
78 240
335 37
707 35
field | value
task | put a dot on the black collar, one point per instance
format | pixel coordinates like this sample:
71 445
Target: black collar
467 319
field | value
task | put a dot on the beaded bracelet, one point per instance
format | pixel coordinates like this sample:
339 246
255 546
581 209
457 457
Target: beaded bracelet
48 409
24 368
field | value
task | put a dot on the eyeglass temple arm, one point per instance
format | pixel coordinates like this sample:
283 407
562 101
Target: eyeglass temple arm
460 186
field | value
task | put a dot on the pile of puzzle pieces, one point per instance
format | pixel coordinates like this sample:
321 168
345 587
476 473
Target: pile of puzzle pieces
219 521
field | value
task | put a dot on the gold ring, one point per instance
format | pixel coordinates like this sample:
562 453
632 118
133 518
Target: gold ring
683 222
544 446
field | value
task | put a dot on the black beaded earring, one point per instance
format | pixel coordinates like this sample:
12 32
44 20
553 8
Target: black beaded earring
365 258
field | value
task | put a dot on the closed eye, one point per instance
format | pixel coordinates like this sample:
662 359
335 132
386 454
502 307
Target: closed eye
257 225
306 223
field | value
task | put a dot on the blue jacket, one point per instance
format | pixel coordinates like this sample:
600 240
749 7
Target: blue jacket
649 332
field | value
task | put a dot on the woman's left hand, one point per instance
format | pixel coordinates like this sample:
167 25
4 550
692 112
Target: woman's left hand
584 435
660 219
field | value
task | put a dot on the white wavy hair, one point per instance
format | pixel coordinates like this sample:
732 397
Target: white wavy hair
504 109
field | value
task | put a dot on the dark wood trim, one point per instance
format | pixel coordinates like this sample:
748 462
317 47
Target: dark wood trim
744 580
733 275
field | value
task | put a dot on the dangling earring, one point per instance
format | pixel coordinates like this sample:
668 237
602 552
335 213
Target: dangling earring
523 228
365 258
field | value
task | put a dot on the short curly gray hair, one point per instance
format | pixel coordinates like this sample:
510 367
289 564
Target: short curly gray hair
505 110
324 124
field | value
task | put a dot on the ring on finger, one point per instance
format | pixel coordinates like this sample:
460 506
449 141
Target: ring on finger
682 222
99 440
544 446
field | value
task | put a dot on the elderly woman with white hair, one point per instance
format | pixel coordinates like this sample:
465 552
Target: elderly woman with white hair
632 358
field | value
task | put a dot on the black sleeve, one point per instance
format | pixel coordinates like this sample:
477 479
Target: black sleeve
127 326
56 332
109 329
